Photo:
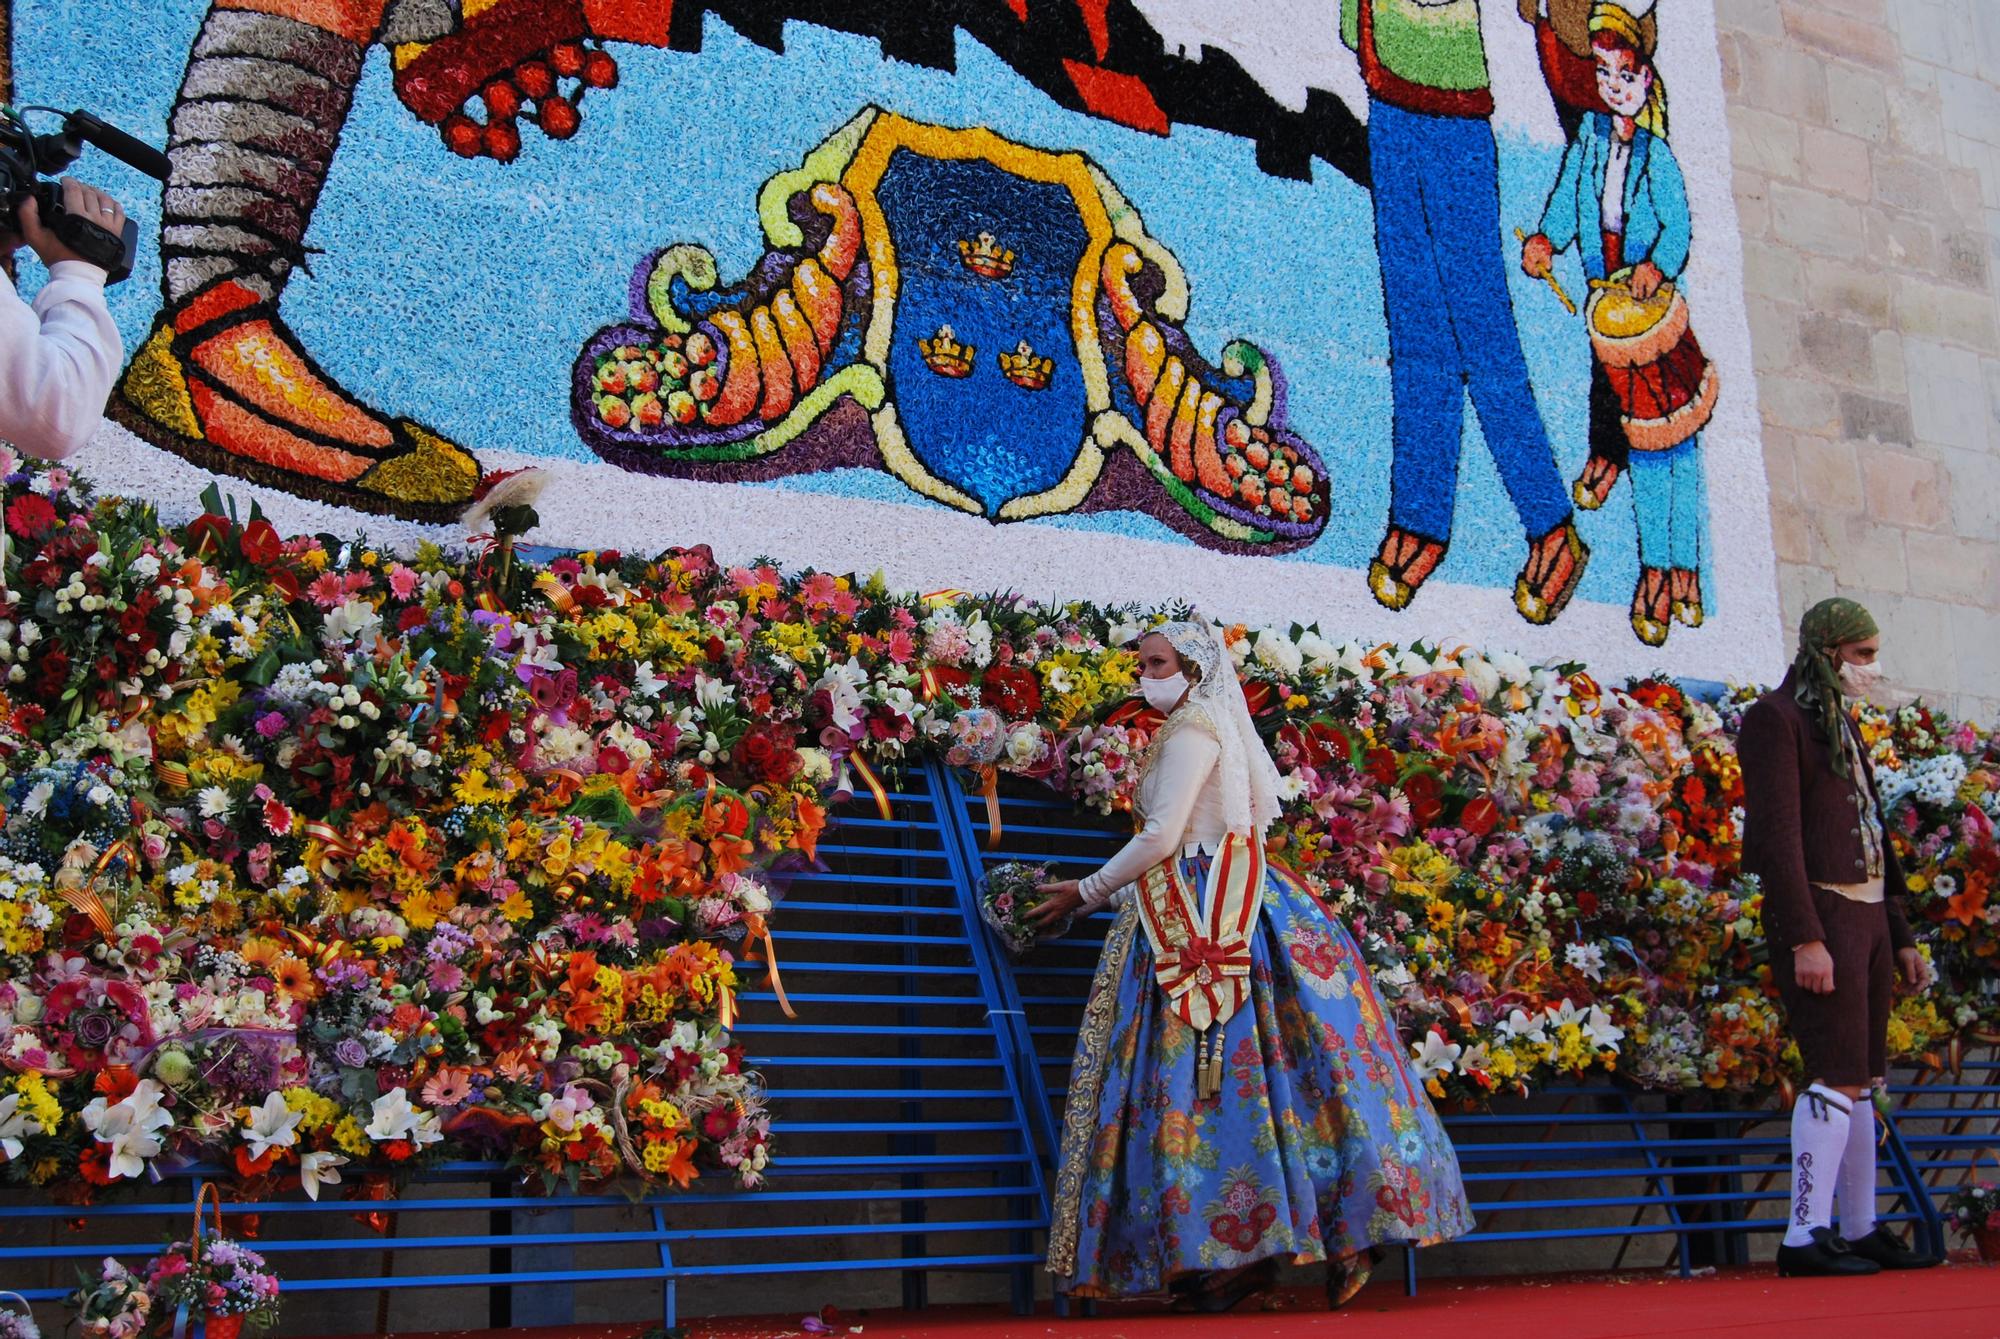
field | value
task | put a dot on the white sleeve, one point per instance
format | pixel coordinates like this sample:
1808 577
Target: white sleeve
58 360
1186 760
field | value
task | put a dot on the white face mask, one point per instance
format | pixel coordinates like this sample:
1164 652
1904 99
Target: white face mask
1161 694
1858 680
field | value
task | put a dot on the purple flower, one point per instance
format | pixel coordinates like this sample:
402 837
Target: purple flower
351 1053
271 724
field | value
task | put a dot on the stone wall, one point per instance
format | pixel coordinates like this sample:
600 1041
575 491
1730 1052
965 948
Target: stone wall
1867 152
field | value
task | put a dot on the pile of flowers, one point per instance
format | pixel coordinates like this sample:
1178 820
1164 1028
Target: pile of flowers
1973 1212
324 863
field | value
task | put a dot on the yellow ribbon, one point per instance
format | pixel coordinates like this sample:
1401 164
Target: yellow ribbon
874 784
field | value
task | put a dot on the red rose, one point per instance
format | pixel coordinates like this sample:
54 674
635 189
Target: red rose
260 543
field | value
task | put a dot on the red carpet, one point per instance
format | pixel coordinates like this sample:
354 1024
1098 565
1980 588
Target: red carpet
1959 1301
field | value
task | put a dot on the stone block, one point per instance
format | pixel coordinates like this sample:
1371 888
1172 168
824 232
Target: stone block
1902 488
1766 142
1964 257
1907 183
1774 335
1857 103
1874 418
1950 567
1837 35
1759 18
1778 77
1798 403
1973 491
1781 472
1956 315
1889 376
1975 636
1861 554
1970 105
1836 162
1917 644
1774 271
1813 221
1753 204
1791 535
1899 241
1936 31
1836 348
1950 402
1915 124
1829 474
1799 589
1857 291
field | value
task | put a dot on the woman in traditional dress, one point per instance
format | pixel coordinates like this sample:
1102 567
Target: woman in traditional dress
1239 1096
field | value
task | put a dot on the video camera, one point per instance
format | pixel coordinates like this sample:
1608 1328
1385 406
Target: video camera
27 160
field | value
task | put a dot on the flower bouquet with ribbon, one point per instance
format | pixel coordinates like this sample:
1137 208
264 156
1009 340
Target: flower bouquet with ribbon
114 1304
17 1324
212 1281
1008 898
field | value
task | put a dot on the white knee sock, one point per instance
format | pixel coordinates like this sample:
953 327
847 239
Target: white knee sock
1857 1173
1819 1138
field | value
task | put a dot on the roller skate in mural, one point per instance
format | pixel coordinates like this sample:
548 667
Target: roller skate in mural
987 321
222 379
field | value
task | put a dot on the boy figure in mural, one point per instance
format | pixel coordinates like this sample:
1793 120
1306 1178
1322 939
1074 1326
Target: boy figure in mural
1620 200
1563 46
222 380
1436 181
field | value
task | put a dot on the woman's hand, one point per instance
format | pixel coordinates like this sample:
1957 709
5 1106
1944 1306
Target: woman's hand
1914 969
1059 899
1646 280
1536 255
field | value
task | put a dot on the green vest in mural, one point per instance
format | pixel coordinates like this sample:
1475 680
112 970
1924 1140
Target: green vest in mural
1424 56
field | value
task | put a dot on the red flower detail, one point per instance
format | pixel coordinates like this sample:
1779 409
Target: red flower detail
1241 1234
31 516
260 543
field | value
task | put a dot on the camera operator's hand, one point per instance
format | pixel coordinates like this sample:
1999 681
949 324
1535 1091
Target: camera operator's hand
85 202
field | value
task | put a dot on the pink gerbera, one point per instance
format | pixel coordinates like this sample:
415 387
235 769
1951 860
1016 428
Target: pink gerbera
449 1087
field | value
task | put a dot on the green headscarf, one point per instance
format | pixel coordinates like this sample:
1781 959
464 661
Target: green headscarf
1827 626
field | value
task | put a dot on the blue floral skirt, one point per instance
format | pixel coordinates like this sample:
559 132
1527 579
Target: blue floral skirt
1321 1143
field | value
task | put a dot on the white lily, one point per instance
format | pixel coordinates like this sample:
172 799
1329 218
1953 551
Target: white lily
131 1127
14 1124
1520 1023
713 694
392 1117
272 1125
1435 1056
645 682
319 1169
1603 1033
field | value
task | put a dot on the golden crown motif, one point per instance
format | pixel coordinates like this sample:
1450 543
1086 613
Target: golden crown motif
1026 368
946 356
985 256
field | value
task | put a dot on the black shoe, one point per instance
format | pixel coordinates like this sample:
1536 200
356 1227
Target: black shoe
1347 1277
1825 1257
1216 1293
1882 1247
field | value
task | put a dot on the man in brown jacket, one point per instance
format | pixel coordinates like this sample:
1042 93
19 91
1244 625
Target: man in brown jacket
1833 917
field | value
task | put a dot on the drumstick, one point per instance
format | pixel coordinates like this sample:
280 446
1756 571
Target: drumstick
1548 276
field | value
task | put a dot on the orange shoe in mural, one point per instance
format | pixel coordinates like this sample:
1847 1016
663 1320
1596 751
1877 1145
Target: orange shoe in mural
1553 572
987 321
224 383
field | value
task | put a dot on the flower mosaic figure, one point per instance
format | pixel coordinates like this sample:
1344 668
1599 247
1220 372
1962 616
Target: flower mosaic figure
1620 200
1563 45
1834 891
1239 1095
222 379
1436 180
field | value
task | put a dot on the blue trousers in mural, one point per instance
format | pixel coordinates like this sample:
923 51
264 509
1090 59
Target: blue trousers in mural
1321 1143
1666 492
1451 322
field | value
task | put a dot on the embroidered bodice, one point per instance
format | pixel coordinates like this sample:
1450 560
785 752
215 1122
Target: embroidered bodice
1179 802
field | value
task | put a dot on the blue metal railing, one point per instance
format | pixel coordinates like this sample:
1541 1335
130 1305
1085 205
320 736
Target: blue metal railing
918 1102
